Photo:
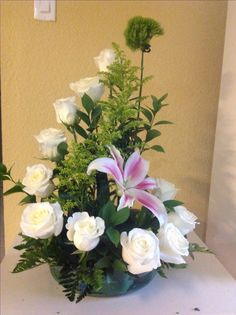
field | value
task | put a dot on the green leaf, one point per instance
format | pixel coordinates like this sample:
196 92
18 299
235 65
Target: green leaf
178 266
81 131
158 148
156 103
4 177
103 262
111 216
84 117
96 112
107 211
144 218
3 169
119 265
15 189
163 122
148 114
161 272
87 103
151 134
194 247
62 148
113 235
172 203
163 97
120 216
28 199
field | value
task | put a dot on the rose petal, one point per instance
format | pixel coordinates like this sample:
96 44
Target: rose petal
177 259
151 202
136 169
106 165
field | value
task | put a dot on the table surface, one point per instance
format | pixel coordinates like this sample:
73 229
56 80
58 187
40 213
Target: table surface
204 288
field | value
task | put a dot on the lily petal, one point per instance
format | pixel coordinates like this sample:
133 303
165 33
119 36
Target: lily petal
151 202
147 183
117 157
136 169
106 165
125 201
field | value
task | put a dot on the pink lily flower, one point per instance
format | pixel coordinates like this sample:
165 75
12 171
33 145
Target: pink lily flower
131 180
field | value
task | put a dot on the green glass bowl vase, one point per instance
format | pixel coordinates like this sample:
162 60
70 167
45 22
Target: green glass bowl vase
115 283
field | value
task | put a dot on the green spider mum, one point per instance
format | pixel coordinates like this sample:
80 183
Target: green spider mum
140 31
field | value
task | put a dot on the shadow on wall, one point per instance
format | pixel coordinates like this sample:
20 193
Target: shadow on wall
1 192
222 207
229 81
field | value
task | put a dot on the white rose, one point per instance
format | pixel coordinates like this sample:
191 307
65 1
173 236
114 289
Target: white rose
84 231
66 110
173 245
183 219
37 181
165 190
48 140
91 86
140 250
42 220
105 59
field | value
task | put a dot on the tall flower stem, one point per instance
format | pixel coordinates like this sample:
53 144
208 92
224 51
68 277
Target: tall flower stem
74 134
141 82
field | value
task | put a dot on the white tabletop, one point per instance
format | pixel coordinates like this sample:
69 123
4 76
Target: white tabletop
204 288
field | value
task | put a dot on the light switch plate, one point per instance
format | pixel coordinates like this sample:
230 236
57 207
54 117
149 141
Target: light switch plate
45 10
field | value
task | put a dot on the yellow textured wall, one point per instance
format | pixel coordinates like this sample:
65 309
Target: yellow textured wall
40 59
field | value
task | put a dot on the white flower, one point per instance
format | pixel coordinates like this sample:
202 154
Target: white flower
183 219
66 110
173 245
42 220
37 181
140 250
105 59
84 230
91 86
165 190
48 140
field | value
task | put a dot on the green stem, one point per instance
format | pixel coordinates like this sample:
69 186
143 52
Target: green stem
144 142
141 83
110 88
74 134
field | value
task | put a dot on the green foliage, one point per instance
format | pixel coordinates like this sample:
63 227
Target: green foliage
113 235
158 148
28 199
146 220
171 204
18 187
194 248
165 266
36 252
140 31
119 265
4 173
103 262
111 216
79 281
118 121
62 149
75 186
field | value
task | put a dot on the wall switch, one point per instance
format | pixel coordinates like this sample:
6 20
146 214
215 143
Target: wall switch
45 10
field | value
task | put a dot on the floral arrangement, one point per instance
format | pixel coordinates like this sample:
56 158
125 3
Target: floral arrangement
79 217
